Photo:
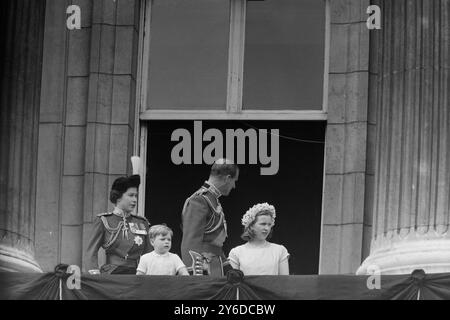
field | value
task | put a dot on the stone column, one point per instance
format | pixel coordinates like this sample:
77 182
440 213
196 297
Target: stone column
21 63
410 81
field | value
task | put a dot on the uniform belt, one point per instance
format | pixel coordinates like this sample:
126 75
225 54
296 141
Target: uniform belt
119 261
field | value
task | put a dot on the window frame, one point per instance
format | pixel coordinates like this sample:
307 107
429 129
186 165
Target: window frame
233 110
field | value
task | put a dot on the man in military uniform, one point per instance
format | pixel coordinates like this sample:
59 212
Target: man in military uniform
203 222
123 235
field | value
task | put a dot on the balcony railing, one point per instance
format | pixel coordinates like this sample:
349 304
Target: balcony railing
60 285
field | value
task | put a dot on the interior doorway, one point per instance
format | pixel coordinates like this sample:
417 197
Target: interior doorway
295 190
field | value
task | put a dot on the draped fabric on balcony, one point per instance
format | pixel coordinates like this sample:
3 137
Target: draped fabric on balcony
126 287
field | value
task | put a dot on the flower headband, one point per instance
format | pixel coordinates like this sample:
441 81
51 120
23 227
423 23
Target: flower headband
251 213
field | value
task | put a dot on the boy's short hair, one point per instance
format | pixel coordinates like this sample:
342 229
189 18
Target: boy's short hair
159 229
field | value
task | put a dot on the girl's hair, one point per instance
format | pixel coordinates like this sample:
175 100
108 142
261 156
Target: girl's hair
248 233
159 229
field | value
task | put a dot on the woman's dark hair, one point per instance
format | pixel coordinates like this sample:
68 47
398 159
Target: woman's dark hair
121 185
115 195
248 233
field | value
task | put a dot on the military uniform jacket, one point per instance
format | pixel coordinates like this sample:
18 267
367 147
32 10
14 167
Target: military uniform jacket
203 223
124 242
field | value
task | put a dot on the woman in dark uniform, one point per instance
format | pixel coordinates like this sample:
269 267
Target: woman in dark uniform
123 235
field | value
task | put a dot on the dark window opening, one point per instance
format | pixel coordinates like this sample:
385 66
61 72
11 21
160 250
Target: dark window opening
295 191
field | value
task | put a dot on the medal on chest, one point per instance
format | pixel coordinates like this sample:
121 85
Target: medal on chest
137 228
138 240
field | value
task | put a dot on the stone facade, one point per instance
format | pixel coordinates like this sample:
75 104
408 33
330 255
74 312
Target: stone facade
69 130
344 223
86 124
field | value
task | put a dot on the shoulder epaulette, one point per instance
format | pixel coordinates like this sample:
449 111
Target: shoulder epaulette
104 214
140 217
200 192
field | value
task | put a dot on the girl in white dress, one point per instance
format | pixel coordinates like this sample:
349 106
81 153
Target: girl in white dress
258 256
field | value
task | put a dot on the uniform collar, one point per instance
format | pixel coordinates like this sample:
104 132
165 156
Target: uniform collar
119 212
212 188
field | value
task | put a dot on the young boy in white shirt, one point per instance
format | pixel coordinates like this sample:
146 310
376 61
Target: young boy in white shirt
160 261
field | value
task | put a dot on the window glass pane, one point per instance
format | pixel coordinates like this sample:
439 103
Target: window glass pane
284 54
188 54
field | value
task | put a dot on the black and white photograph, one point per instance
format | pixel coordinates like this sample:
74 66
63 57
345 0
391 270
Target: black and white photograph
247 152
